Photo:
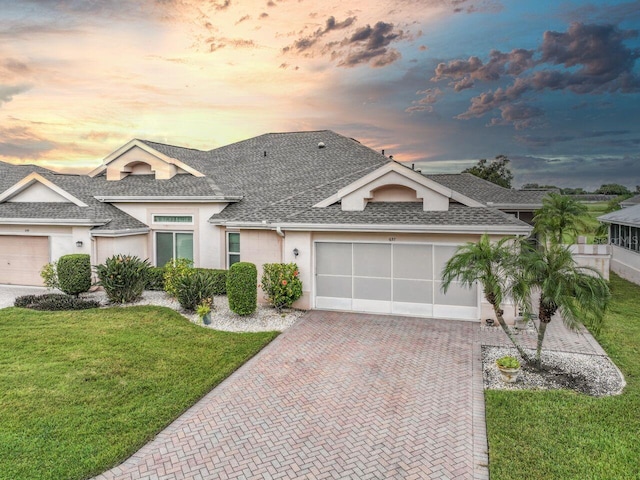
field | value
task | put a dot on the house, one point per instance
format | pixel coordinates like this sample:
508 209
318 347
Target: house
624 234
367 233
630 202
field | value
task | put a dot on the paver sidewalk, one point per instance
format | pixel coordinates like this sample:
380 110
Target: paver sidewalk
337 395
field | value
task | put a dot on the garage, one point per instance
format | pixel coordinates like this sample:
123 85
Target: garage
390 278
22 258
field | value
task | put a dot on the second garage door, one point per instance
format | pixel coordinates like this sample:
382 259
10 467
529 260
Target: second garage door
22 258
390 278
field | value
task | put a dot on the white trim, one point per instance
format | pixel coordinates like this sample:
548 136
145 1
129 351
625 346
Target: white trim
168 199
152 151
32 178
406 172
85 222
372 228
120 233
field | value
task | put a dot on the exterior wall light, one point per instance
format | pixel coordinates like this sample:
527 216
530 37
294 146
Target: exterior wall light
79 243
296 252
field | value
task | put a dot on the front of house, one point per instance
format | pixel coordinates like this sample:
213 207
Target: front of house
624 238
368 234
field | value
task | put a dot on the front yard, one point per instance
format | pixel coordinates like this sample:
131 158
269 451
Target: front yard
81 391
564 435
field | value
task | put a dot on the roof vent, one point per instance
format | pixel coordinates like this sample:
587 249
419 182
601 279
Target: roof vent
321 145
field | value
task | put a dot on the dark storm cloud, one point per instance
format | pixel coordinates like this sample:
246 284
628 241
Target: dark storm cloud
366 45
539 141
21 142
586 59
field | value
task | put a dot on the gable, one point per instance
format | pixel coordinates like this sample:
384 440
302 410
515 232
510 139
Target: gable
34 188
138 158
395 183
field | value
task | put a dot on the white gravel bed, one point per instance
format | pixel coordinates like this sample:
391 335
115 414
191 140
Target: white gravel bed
264 319
593 375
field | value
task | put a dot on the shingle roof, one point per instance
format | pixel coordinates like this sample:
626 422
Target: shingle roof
487 192
630 201
625 216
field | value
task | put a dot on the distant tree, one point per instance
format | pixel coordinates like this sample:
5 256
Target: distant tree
574 191
637 189
497 171
535 186
613 189
559 215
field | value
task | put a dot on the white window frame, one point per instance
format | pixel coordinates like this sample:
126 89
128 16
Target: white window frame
155 222
229 252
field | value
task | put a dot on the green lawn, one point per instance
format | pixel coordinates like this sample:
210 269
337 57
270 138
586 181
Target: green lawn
82 391
563 435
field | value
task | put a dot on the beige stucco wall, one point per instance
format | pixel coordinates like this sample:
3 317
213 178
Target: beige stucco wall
208 243
626 264
62 239
124 164
594 256
260 247
37 192
106 247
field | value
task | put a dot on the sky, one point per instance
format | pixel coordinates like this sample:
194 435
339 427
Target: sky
554 85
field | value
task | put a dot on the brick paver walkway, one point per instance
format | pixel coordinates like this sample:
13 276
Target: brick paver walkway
336 396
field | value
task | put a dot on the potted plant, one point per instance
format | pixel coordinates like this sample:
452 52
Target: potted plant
204 310
509 368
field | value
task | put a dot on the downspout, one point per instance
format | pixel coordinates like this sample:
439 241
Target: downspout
281 233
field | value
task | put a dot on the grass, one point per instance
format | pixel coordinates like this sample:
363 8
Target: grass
82 391
564 435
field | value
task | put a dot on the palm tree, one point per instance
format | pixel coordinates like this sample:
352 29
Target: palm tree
559 214
579 294
490 264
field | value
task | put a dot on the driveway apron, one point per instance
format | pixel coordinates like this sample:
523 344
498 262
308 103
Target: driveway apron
339 396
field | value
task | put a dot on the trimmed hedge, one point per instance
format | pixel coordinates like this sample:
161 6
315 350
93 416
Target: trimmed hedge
123 277
155 279
54 302
218 278
74 273
242 288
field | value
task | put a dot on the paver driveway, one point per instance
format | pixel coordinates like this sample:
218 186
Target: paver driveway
336 396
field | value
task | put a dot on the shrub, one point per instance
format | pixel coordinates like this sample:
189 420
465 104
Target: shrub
281 284
155 279
54 302
195 288
49 274
123 277
242 288
219 278
74 273
174 270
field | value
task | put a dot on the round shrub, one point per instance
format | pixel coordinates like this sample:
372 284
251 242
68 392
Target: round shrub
281 284
74 273
123 278
242 288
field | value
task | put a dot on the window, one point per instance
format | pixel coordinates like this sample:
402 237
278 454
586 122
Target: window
170 245
233 248
172 219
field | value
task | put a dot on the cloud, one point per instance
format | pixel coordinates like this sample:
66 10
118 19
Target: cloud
540 141
243 19
21 142
7 92
586 59
331 25
425 104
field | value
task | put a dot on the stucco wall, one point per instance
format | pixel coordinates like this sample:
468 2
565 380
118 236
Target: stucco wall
626 264
106 247
593 256
208 244
260 247
62 239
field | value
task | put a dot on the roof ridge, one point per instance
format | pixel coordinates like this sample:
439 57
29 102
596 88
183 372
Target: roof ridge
168 145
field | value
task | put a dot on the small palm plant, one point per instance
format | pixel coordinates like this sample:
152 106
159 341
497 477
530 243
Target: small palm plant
492 265
558 216
578 293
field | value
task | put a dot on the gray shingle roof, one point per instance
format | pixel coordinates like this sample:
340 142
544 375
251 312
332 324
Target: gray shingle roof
630 201
485 191
625 216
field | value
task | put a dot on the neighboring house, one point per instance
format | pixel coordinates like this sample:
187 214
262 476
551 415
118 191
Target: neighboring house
624 236
630 202
367 233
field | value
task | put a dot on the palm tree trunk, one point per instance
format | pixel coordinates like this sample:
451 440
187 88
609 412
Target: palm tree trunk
541 331
499 315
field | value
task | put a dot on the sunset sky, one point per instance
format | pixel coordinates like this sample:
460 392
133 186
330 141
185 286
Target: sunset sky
554 85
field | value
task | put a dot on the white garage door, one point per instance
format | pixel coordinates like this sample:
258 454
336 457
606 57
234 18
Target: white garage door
22 258
389 278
